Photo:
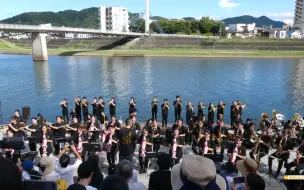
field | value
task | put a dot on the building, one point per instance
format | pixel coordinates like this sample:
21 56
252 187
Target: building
299 15
293 34
242 30
114 19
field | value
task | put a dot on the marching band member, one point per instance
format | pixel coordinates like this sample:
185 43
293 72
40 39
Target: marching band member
240 106
114 123
233 113
236 151
221 132
284 146
65 109
176 150
79 139
46 140
211 110
111 145
261 147
145 141
299 161
100 107
94 106
200 109
207 145
112 107
85 108
239 131
197 134
103 119
132 106
154 104
178 108
94 130
16 127
155 132
220 109
180 127
19 118
250 138
35 129
77 102
189 112
165 110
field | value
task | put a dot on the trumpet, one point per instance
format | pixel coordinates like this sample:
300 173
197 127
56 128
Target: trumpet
213 107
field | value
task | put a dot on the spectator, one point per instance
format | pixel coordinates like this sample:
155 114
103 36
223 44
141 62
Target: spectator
161 179
125 170
29 172
196 172
228 172
66 171
85 175
10 176
255 182
114 182
47 166
93 162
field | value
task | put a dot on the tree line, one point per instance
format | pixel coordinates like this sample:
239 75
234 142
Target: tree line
204 26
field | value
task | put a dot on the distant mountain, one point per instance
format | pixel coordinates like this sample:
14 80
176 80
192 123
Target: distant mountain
260 21
189 18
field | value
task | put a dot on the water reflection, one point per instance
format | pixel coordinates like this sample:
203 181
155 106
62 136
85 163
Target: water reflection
297 93
42 77
147 72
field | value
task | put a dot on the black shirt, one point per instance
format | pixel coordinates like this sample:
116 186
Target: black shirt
114 137
223 130
233 111
103 119
126 137
220 109
65 108
182 129
154 105
58 132
160 180
100 108
112 108
189 112
85 105
18 133
155 131
241 150
266 139
78 107
211 144
20 119
179 141
200 110
48 135
37 128
285 143
177 105
164 109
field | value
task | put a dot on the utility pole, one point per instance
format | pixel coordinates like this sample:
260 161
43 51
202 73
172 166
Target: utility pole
147 28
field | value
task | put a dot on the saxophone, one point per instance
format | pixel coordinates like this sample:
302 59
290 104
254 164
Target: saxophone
257 151
220 139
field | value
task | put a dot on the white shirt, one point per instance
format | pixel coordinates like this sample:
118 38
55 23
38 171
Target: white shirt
69 172
90 188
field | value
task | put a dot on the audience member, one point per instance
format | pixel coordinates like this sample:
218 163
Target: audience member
161 179
47 167
97 178
255 182
125 170
10 176
196 172
114 182
85 175
66 171
228 172
76 186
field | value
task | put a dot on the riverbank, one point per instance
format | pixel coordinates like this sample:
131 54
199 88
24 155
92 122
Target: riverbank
179 53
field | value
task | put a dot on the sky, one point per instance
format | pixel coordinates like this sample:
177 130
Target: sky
282 10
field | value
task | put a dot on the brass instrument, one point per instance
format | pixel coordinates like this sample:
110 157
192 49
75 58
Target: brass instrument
219 138
280 148
213 107
253 137
274 114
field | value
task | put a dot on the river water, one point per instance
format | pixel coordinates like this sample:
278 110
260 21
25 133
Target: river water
265 84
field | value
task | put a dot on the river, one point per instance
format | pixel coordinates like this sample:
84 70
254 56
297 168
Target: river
265 84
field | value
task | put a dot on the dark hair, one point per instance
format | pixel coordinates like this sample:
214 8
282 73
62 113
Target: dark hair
255 181
34 118
145 128
13 118
84 170
114 182
165 100
10 176
76 186
250 125
93 163
128 122
100 97
84 97
64 160
125 169
17 111
164 161
177 96
95 97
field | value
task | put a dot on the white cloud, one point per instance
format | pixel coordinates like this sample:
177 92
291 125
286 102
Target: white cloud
227 4
286 17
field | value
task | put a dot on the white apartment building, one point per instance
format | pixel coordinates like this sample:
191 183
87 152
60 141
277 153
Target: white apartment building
114 19
299 15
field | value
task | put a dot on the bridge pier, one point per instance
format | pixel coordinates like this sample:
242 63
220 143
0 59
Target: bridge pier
39 48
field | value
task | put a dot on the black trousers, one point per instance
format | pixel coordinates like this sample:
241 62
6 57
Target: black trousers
282 160
126 157
111 156
65 115
154 114
223 145
78 115
33 145
112 114
56 145
94 112
193 147
164 118
261 155
143 162
174 161
156 147
289 165
177 114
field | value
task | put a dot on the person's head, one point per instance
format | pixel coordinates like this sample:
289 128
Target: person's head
93 161
221 123
10 176
85 172
133 119
238 141
207 134
84 98
125 169
17 113
111 129
9 133
251 126
58 119
179 122
254 182
210 105
176 133
114 182
34 121
112 99
78 98
113 118
155 98
149 122
177 98
154 122
47 165
220 117
62 119
13 120
165 101
44 128
76 186
247 166
100 98
64 160
164 161
248 121
75 120
132 99
27 165
145 131
189 103
239 125
79 130
201 103
196 172
263 131
128 122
